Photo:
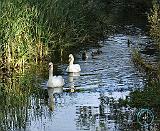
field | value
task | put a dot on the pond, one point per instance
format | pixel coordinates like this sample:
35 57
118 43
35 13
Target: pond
88 100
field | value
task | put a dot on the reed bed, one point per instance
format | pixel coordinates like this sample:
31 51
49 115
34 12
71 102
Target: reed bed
30 28
21 34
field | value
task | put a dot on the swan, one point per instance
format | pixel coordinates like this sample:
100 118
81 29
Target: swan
73 67
54 81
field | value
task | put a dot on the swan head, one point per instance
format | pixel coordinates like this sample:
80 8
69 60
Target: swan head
50 66
71 59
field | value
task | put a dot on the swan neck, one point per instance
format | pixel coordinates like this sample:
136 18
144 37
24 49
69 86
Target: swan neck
51 73
71 62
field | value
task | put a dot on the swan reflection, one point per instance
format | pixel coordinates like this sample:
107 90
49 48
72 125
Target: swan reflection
72 79
51 93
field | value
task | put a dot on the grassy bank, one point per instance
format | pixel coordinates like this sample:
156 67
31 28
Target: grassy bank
149 96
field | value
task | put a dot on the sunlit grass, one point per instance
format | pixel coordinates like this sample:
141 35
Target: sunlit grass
29 28
21 34
153 18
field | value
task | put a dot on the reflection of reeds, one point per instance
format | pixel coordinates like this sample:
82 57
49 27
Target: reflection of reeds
19 93
13 105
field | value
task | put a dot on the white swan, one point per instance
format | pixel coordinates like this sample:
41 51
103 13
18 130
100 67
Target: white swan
73 67
54 81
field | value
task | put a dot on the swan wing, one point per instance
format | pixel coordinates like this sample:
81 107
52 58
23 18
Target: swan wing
55 81
67 69
58 81
73 68
77 67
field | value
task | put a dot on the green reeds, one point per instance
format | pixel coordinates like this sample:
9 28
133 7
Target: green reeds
28 27
21 34
154 21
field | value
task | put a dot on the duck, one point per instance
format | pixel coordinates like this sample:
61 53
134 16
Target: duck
97 52
129 42
54 81
73 67
84 55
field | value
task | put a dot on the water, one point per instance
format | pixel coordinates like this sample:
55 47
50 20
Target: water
87 99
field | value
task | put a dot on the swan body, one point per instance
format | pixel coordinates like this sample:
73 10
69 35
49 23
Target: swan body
73 67
54 81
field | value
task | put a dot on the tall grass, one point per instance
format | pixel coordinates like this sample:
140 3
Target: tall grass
29 27
73 20
154 21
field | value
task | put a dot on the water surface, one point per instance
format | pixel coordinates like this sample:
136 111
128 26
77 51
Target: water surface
86 102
